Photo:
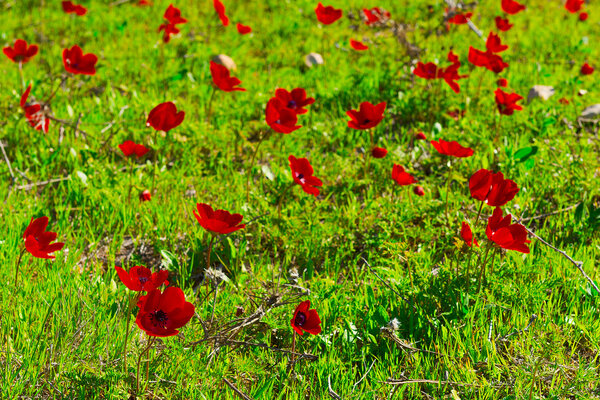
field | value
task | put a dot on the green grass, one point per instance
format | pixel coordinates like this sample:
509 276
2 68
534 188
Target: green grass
63 327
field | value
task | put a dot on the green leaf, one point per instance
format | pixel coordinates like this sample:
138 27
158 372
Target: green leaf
523 154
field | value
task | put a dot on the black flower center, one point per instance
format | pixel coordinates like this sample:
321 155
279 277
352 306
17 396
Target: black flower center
367 121
143 279
159 318
292 104
300 319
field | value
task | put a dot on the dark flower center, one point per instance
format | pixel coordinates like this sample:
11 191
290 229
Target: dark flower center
143 279
292 104
367 121
159 318
300 319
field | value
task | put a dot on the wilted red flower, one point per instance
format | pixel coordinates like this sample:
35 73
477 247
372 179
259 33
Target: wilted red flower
574 6
34 113
494 44
502 82
218 221
140 278
222 79
492 188
452 148
587 69
359 46
173 15
487 59
280 118
507 102
170 29
379 152
402 177
129 147
503 24
564 101
70 8
456 114
419 191
302 172
426 71
295 100
76 62
38 241
306 320
327 15
145 195
512 7
20 53
161 314
420 136
376 15
165 117
243 29
220 9
506 235
583 16
467 235
460 19
368 116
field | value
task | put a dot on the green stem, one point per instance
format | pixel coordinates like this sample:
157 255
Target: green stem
19 263
478 215
129 307
209 106
482 270
293 348
210 245
22 83
263 137
130 181
447 190
154 159
137 380
287 188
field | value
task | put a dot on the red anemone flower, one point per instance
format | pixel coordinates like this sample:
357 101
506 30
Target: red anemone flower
494 44
402 177
222 79
220 9
368 115
302 172
583 16
450 74
140 278
376 15
38 241
452 149
78 63
165 117
280 118
306 320
512 7
170 29
419 191
295 100
70 8
460 19
487 59
467 235
420 136
34 113
129 148
145 195
587 69
503 24
502 82
173 15
162 314
426 71
359 46
574 6
506 235
20 53
327 15
379 152
218 221
507 102
243 29
492 188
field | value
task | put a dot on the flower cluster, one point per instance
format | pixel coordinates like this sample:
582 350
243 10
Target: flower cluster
449 74
173 17
283 109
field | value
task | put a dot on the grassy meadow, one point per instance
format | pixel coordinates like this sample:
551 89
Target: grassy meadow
395 286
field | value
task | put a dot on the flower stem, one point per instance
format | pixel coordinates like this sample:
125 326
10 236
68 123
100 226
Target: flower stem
482 270
130 181
22 83
210 245
447 190
129 307
137 380
478 215
19 263
293 348
64 78
154 157
262 139
209 106
366 154
281 198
